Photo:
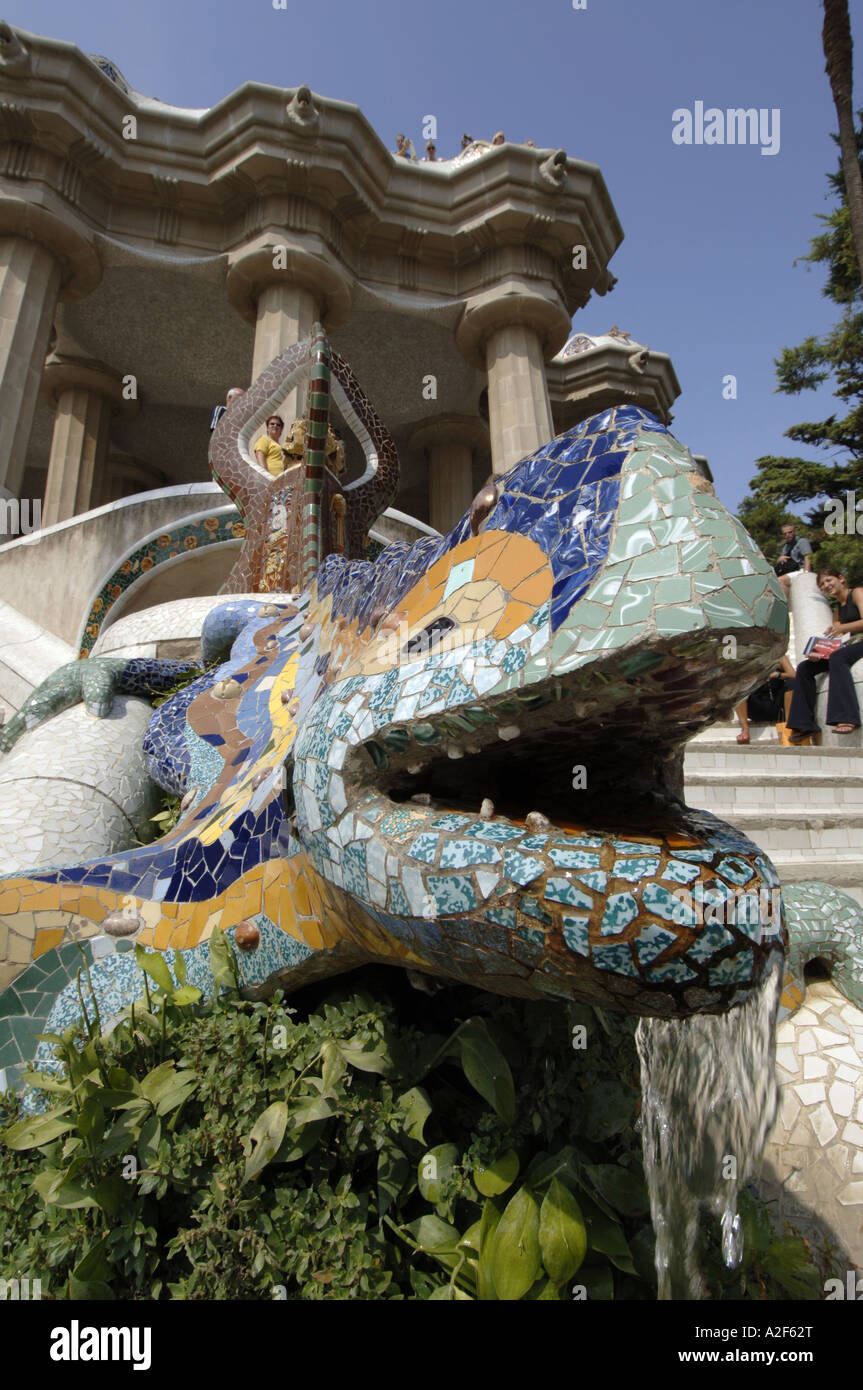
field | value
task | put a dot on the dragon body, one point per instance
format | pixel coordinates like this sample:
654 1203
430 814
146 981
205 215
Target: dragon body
464 757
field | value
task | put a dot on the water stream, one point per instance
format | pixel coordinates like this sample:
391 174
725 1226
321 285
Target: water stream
709 1100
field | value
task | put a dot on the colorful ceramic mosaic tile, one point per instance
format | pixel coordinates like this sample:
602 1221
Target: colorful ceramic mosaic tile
463 757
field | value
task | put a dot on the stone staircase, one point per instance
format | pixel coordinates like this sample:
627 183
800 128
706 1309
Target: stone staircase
802 806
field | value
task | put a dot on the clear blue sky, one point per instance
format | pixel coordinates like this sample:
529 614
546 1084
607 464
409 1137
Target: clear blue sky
706 271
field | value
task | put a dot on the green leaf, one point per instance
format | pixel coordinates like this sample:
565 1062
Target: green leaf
41 1081
296 1144
71 1193
153 963
515 1254
449 1293
435 1168
562 1233
393 1169
472 1238
500 1175
379 1062
185 995
111 1194
180 968
267 1134
36 1130
487 1069
605 1235
434 1236
223 962
334 1066
624 1190
417 1108
789 1263
489 1222
89 1278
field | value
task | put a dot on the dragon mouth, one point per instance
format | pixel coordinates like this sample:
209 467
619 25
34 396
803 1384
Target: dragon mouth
554 812
593 746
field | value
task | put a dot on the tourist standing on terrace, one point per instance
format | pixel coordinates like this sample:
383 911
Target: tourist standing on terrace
843 711
219 410
268 450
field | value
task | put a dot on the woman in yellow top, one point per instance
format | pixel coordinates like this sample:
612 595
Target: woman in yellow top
268 450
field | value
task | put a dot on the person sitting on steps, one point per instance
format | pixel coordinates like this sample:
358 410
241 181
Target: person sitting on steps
843 712
769 704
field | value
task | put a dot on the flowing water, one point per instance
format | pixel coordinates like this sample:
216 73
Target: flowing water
709 1099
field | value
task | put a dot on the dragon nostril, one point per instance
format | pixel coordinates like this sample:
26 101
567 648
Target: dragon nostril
429 637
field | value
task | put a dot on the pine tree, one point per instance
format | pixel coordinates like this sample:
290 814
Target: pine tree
836 357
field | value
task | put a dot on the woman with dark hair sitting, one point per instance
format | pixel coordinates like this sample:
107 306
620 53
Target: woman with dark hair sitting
843 712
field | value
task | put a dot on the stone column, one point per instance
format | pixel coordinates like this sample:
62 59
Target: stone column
284 288
509 331
83 394
29 284
449 443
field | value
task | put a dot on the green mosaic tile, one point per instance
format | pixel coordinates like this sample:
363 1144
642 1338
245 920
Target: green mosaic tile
716 526
654 564
726 611
749 589
634 482
705 585
631 541
605 590
633 605
676 590
684 618
590 615
10 1003
674 531
696 555
638 510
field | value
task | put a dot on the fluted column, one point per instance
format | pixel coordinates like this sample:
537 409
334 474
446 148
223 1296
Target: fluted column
83 394
450 442
284 288
30 279
509 331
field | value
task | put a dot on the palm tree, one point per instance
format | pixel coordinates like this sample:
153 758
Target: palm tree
838 48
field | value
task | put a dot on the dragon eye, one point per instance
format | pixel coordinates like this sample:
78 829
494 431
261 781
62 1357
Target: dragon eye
423 641
483 505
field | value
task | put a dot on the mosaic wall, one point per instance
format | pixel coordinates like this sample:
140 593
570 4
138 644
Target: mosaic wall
180 539
463 758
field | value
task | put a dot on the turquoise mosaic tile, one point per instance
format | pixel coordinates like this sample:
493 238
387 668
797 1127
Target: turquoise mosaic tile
576 934
652 941
712 938
617 958
453 894
424 848
672 908
678 871
735 870
457 854
521 868
562 890
636 868
732 970
620 910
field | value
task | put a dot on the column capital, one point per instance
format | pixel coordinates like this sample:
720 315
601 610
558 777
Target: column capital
80 266
63 372
252 268
509 303
468 430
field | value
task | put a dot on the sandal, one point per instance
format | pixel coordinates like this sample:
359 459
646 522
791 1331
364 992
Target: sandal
800 735
742 738
845 728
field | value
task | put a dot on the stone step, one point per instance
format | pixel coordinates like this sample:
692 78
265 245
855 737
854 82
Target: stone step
716 756
721 791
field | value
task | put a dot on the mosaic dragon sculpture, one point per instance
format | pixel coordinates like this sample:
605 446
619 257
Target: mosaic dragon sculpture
463 758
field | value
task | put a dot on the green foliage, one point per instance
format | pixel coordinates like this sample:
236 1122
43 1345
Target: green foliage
836 357
355 1145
